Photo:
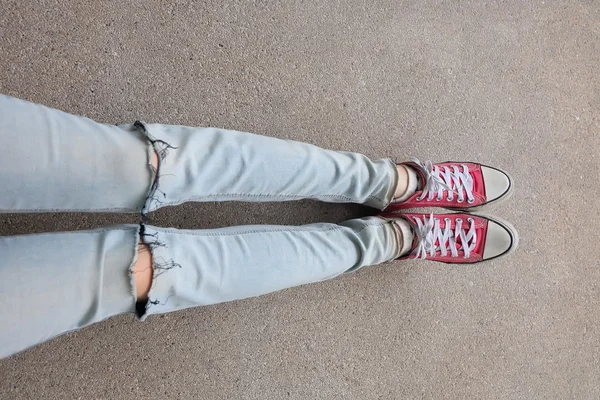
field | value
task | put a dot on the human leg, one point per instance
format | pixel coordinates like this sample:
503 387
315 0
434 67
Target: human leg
55 161
57 282
52 283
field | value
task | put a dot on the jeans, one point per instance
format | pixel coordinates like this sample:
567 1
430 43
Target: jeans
57 282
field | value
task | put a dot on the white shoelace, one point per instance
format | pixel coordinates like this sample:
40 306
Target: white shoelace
451 179
431 238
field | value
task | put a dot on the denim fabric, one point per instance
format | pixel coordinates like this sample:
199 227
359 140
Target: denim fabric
56 282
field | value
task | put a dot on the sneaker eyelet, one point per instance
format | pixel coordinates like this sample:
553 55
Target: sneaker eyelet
471 201
471 220
460 201
458 219
438 199
447 220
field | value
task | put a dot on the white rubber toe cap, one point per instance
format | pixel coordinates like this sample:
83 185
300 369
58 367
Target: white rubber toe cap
497 183
501 239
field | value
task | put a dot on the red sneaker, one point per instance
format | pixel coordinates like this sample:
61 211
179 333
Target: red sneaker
457 238
455 185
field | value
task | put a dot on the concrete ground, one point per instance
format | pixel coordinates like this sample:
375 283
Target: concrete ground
509 83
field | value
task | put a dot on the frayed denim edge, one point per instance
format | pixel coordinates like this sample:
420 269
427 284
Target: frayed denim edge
153 199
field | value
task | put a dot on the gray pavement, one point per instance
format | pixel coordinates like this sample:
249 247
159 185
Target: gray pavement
509 83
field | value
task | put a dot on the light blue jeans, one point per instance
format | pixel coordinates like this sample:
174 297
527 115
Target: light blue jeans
53 161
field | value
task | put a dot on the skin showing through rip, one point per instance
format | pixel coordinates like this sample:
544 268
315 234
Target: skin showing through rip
142 269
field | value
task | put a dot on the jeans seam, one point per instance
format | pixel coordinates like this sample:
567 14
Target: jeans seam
49 210
253 232
278 196
107 229
377 225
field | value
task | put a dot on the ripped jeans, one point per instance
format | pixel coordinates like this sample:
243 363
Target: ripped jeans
52 283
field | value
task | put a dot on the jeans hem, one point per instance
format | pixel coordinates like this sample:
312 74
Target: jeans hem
389 197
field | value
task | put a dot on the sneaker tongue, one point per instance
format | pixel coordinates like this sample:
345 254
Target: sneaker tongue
458 243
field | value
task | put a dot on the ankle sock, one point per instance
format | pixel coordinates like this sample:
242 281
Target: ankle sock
413 183
407 235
